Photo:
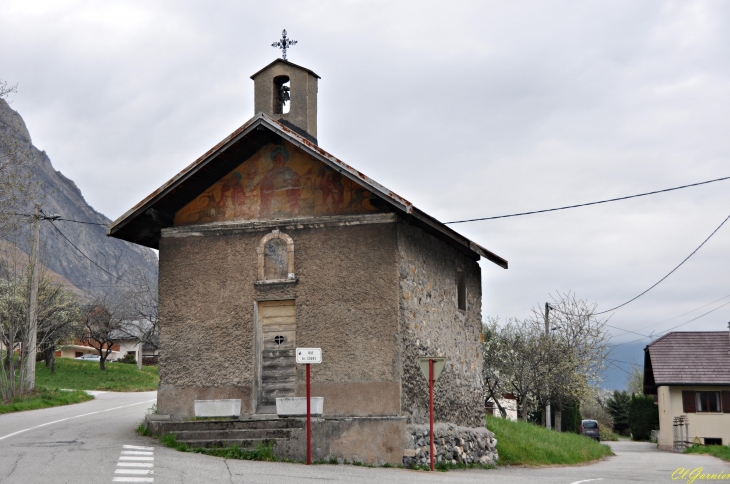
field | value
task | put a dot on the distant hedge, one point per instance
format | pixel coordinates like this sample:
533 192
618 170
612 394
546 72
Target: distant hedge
643 416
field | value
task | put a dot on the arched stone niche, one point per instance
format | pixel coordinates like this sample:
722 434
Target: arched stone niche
275 258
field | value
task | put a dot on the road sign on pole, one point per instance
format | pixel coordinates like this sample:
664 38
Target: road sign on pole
309 356
431 366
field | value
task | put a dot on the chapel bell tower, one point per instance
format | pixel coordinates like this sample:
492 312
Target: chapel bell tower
288 93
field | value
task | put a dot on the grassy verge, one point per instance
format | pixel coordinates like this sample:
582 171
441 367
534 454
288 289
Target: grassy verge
720 451
86 375
44 398
521 443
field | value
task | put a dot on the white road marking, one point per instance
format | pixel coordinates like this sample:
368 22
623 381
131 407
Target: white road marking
71 418
130 470
587 480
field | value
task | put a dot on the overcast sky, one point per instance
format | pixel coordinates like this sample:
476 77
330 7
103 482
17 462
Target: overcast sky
467 109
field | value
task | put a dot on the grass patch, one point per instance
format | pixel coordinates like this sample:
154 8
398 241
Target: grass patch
260 452
86 375
43 398
522 443
719 451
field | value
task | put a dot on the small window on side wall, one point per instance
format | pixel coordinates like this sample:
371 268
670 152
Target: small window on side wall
461 289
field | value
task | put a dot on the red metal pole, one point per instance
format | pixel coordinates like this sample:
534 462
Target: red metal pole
309 422
430 408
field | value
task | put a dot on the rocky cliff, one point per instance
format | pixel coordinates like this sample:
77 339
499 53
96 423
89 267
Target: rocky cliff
60 195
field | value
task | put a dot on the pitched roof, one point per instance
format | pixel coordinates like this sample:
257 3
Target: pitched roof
142 224
687 358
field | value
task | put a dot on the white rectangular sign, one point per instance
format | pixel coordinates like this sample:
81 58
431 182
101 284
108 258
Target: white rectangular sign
309 355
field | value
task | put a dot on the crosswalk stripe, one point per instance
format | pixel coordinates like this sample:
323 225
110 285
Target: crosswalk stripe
136 452
135 457
133 479
134 464
146 472
137 447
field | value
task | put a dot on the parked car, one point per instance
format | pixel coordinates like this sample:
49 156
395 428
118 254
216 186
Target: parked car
89 357
590 428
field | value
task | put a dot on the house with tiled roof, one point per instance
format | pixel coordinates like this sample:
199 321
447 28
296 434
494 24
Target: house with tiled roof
689 374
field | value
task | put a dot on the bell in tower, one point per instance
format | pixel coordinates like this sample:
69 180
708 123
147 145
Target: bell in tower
288 93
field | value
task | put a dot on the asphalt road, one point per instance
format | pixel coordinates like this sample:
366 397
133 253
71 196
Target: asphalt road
95 442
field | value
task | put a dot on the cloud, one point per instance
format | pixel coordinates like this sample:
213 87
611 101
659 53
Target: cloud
465 108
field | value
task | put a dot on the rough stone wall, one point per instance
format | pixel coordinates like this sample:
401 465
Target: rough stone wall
454 445
347 304
432 325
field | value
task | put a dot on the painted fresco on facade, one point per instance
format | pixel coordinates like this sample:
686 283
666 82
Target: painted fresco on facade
277 182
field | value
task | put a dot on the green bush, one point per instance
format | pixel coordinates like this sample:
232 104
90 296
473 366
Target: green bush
643 416
618 407
128 358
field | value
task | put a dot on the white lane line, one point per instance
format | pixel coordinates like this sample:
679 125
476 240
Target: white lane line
133 479
134 464
587 480
146 472
139 458
137 447
71 418
136 452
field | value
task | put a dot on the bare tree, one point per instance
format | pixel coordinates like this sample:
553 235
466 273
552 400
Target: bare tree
103 325
141 311
635 381
576 350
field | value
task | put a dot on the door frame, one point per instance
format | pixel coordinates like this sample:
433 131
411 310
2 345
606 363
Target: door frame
257 357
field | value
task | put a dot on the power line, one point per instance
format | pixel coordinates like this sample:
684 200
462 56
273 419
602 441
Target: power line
683 314
694 319
673 327
670 272
62 219
81 222
89 258
587 204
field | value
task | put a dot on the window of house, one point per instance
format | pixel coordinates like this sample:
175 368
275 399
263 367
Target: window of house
461 290
707 401
712 441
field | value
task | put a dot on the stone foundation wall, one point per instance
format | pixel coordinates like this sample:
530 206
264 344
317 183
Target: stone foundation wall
453 444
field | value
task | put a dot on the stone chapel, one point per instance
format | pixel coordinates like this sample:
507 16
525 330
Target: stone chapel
267 243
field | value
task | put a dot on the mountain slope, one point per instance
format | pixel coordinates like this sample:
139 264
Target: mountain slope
60 195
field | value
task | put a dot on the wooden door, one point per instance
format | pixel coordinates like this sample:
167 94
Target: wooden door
278 362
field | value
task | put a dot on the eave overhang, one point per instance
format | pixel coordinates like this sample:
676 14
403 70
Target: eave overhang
143 222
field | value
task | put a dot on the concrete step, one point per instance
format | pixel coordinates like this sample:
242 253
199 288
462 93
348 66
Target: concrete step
191 425
185 435
242 443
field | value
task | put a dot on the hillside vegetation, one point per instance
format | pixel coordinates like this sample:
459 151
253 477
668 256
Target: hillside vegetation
522 443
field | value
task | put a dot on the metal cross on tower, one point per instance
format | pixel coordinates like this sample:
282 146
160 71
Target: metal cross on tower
284 44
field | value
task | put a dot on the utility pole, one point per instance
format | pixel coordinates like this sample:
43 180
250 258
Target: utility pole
547 338
33 303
